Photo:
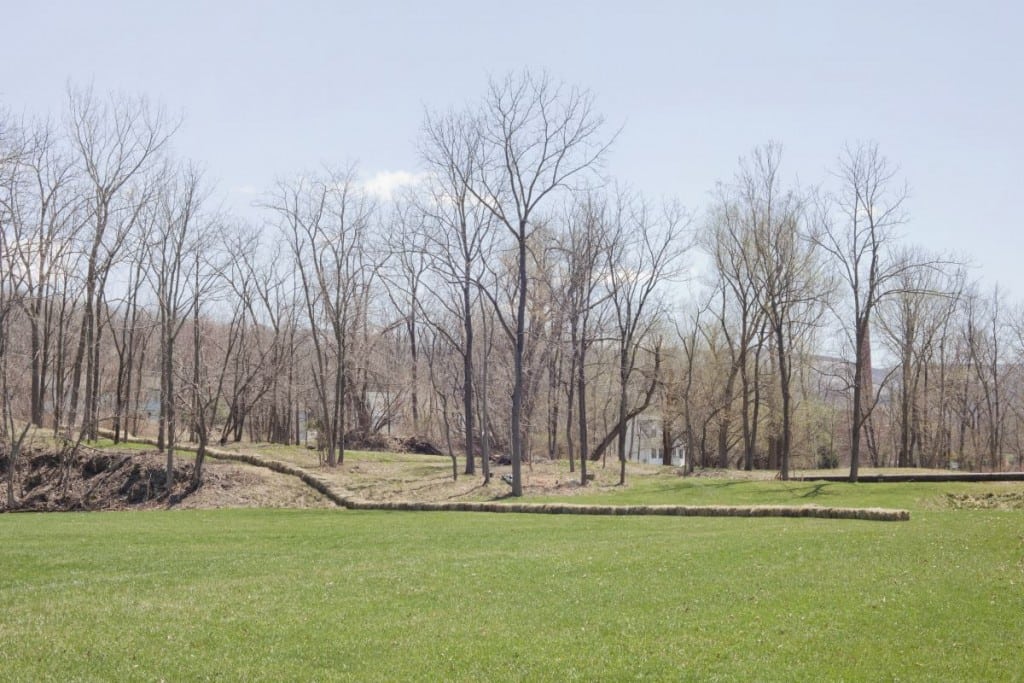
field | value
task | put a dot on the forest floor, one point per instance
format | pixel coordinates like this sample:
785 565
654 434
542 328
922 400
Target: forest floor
108 476
388 476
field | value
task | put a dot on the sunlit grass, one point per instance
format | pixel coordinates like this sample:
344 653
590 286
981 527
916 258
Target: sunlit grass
315 595
108 444
308 457
699 491
334 594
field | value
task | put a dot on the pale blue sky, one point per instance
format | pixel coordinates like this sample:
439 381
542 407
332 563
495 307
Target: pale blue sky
269 89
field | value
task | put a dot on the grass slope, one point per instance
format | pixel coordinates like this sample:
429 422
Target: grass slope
330 594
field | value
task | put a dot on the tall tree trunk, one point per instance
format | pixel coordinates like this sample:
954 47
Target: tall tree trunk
861 366
784 386
570 441
485 427
517 390
36 361
667 438
467 377
581 398
170 413
623 379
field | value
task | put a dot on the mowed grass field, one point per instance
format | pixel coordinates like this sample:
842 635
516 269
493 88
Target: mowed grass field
363 596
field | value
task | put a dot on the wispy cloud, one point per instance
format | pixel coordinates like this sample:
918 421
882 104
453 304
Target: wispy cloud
384 184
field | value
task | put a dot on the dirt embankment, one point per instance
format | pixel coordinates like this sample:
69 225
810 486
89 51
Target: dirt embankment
88 479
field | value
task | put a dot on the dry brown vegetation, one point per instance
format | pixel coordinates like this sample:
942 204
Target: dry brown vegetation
990 500
91 479
255 475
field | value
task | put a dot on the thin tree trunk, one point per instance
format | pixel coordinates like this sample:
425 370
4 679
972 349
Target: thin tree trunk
517 390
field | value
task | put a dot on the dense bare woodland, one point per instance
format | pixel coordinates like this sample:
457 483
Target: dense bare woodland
516 302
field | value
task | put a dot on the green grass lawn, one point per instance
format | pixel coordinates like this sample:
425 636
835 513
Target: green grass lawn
332 594
668 488
108 444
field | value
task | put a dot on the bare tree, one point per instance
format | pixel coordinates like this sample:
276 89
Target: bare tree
45 214
645 253
1016 375
12 278
914 320
730 238
460 237
126 321
255 359
175 242
206 379
116 141
689 336
857 229
404 277
786 273
325 221
531 139
441 382
268 306
584 243
985 333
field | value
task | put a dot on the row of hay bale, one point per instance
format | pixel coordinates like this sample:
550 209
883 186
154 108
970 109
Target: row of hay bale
870 514
322 486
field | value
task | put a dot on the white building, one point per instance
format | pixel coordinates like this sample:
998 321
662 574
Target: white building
644 441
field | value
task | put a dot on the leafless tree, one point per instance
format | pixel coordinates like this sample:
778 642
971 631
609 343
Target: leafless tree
688 335
585 241
532 138
913 320
730 239
857 229
12 281
116 141
270 302
257 347
1016 376
404 278
985 333
210 282
126 321
646 253
460 236
787 273
441 382
326 221
688 340
45 211
175 243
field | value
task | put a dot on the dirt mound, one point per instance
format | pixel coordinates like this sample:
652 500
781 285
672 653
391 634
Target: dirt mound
89 479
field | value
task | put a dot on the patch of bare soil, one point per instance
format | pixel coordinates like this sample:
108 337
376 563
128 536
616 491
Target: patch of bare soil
1011 500
430 480
89 479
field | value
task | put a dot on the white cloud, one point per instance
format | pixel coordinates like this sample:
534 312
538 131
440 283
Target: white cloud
385 183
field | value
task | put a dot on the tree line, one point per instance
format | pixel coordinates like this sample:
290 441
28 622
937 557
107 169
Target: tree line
515 300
